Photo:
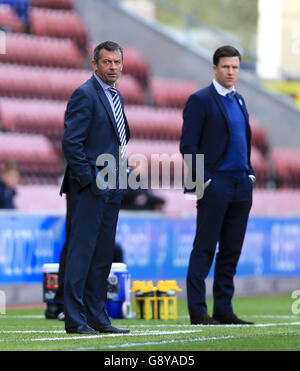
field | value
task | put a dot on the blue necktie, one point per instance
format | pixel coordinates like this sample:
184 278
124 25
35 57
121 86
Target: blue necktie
120 120
231 95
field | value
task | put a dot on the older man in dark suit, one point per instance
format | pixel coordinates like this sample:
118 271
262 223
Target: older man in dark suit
216 124
95 125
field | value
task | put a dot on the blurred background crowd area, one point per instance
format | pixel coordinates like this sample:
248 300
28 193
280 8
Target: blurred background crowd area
45 53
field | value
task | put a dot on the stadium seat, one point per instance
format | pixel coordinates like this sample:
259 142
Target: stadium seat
42 51
286 162
39 198
9 20
260 167
57 84
58 23
53 4
135 65
259 138
33 117
156 160
270 202
33 153
171 93
154 123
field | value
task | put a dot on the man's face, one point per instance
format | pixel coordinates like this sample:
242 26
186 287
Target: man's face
109 66
227 71
11 178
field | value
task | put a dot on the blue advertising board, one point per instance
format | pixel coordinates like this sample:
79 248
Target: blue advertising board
155 247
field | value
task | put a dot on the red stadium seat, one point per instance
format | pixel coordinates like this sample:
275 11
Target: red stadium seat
270 202
42 51
259 139
39 198
171 93
154 123
32 116
9 19
162 158
33 153
260 167
286 162
57 84
135 65
58 23
53 4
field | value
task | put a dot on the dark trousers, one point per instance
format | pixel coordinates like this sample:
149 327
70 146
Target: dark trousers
222 216
89 256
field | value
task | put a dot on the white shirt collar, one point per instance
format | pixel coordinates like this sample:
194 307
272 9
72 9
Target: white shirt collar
221 90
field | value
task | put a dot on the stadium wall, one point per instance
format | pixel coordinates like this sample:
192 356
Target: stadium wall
155 248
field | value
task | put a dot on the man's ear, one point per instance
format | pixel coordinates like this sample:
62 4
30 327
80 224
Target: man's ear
94 64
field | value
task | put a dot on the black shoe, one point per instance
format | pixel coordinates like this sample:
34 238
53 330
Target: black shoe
86 330
204 319
109 329
231 319
52 311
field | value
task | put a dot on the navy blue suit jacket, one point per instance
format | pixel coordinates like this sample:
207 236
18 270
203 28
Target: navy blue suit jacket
206 129
90 130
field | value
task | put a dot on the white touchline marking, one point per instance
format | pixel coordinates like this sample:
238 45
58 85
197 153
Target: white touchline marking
161 342
25 316
136 333
33 332
155 333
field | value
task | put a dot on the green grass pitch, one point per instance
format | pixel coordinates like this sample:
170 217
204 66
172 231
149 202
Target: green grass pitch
276 328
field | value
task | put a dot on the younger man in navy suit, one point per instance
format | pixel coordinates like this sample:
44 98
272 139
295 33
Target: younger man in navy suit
216 124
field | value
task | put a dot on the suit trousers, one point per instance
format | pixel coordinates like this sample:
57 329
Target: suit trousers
222 216
89 257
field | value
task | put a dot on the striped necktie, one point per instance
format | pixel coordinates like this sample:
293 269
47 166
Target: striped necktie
120 120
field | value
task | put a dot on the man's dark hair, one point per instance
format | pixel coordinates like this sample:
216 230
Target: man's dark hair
225 51
108 45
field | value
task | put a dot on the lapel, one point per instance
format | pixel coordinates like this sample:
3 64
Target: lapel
102 96
220 104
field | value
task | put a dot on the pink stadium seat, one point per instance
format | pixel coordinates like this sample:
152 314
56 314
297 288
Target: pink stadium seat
42 51
33 153
58 23
259 139
282 202
286 162
260 166
9 19
32 116
53 4
57 84
39 198
135 64
171 93
146 155
154 123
